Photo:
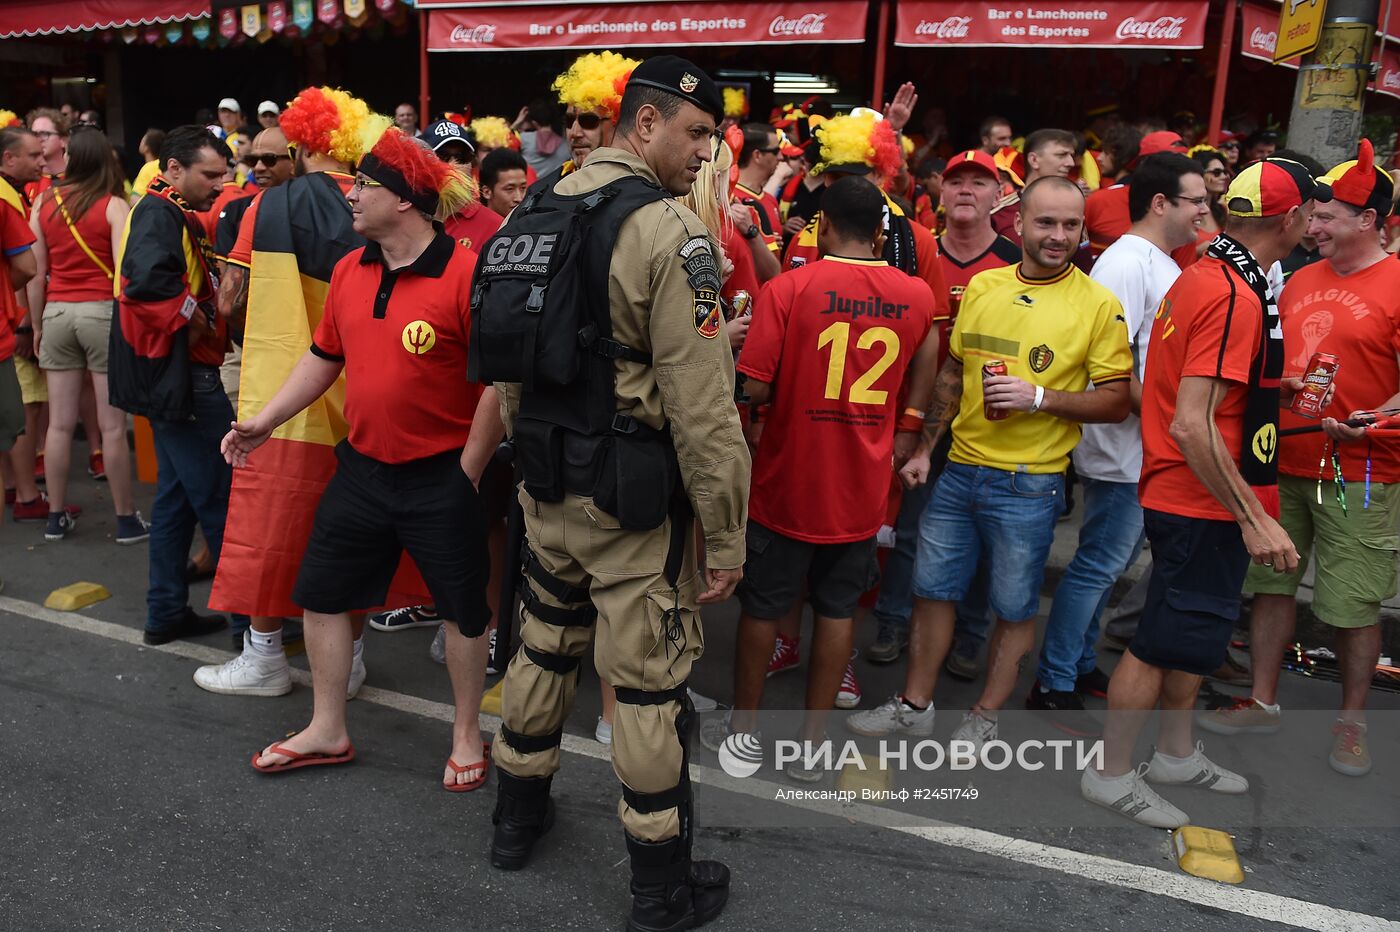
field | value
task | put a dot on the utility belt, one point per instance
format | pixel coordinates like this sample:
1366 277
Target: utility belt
631 471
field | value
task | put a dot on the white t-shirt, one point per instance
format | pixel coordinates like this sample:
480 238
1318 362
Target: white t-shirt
1139 275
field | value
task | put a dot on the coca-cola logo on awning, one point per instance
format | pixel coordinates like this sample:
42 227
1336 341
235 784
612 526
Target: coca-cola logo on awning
954 27
1263 41
808 24
1391 79
1162 28
483 34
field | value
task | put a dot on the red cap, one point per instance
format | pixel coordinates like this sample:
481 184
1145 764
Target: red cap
1163 141
974 160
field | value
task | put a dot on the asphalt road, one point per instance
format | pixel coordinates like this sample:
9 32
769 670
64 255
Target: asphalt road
127 803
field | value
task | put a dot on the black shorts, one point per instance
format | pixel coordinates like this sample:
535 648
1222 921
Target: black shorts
778 568
371 512
496 490
1193 596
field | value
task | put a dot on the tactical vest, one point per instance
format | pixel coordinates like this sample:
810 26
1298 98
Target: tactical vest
541 317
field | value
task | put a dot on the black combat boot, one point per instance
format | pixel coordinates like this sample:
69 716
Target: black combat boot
671 892
524 812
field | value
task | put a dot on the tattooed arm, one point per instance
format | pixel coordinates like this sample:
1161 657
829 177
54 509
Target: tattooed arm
233 296
947 397
1196 434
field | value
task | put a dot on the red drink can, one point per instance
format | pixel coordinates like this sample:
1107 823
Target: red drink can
1317 379
741 305
989 369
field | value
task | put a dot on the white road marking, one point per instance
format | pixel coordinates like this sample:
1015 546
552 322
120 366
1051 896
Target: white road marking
1254 903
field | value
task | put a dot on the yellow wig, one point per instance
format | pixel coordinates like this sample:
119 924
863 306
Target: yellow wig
492 132
736 103
859 140
9 118
594 82
328 121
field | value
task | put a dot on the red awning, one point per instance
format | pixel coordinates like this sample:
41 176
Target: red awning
47 17
618 25
1259 37
1119 24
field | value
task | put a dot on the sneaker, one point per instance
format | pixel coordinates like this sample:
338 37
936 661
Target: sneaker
191 625
1233 673
96 468
800 771
490 648
1094 683
961 665
891 717
248 674
785 656
60 523
132 529
602 733
848 696
1349 752
1248 716
715 731
977 729
889 645
701 703
438 649
1064 710
357 678
1196 770
38 510
1130 795
401 619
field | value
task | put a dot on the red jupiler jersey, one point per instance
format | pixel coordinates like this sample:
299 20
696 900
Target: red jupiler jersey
834 338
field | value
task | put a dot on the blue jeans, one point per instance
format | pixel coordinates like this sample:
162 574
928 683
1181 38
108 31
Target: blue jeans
896 601
1008 518
193 486
1109 540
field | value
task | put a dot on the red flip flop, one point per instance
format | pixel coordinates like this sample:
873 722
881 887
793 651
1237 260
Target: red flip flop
301 760
476 784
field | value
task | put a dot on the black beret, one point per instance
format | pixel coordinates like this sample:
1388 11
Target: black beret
675 75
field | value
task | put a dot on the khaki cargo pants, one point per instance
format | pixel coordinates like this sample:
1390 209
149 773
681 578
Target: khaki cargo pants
645 640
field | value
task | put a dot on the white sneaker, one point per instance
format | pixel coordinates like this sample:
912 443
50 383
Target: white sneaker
715 730
701 703
893 716
490 650
1196 770
248 674
438 650
357 678
975 729
1130 795
602 733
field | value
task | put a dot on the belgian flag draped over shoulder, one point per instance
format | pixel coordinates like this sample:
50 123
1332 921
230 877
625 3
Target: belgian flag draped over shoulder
301 230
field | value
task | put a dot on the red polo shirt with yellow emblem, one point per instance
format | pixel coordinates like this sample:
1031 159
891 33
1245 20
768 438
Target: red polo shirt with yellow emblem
402 334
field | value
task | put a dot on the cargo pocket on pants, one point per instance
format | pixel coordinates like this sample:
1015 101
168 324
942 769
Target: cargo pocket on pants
1199 636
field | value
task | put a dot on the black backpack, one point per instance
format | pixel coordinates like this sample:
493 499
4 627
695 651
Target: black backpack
539 302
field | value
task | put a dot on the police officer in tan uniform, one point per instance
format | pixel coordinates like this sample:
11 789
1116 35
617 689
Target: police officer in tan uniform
594 569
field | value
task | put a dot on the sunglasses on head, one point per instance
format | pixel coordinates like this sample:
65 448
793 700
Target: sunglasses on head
268 160
584 119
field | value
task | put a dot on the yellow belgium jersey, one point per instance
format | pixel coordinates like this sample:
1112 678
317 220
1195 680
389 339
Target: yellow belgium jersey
144 177
1062 333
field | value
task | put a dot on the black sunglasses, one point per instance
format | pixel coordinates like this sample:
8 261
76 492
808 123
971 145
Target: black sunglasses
770 151
583 119
268 161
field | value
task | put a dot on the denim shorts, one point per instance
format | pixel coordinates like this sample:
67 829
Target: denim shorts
1006 518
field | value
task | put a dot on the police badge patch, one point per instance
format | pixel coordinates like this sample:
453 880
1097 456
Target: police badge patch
702 274
1041 357
707 315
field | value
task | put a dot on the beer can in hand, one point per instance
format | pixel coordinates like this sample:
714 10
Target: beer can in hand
741 305
1317 379
991 368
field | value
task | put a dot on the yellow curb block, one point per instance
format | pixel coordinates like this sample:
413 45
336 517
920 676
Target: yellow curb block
78 595
491 699
1208 853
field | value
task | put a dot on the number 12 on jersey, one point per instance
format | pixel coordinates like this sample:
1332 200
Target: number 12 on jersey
838 337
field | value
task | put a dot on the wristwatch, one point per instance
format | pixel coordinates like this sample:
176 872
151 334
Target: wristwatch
751 232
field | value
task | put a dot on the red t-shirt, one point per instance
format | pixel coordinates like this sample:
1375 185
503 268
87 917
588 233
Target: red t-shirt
73 276
1106 217
403 338
242 252
473 225
1208 325
744 276
15 238
210 218
1357 319
957 274
1004 222
822 469
765 210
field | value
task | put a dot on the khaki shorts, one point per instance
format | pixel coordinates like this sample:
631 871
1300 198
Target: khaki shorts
11 406
75 335
32 387
1357 553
